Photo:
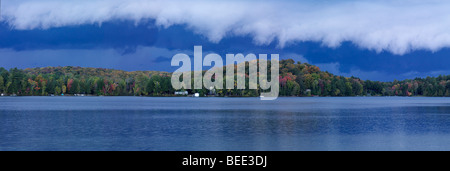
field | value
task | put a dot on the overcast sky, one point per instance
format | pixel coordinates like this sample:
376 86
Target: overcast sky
371 39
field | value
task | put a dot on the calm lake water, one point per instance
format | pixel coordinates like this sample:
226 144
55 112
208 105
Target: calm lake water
186 123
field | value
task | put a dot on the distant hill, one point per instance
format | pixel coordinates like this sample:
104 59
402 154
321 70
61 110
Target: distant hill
296 79
299 79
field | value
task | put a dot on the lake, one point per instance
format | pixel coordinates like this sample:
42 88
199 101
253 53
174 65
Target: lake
187 123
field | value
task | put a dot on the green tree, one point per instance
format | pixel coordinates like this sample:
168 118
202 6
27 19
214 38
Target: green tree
57 90
150 87
16 77
51 84
63 89
357 88
157 88
337 92
2 84
293 88
348 89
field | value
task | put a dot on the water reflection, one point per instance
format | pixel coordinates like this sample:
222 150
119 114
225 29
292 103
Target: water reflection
45 123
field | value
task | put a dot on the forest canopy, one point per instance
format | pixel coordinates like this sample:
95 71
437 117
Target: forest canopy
296 79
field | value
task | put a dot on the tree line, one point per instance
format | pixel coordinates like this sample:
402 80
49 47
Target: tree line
296 79
89 81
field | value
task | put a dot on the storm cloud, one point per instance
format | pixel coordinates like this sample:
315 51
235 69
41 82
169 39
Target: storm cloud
397 26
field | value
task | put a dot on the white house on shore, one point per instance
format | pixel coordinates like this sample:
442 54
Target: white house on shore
181 93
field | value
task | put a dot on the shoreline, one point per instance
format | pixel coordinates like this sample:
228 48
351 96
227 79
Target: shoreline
223 96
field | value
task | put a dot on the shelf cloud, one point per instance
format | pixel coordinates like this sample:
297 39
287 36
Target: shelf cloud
396 26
